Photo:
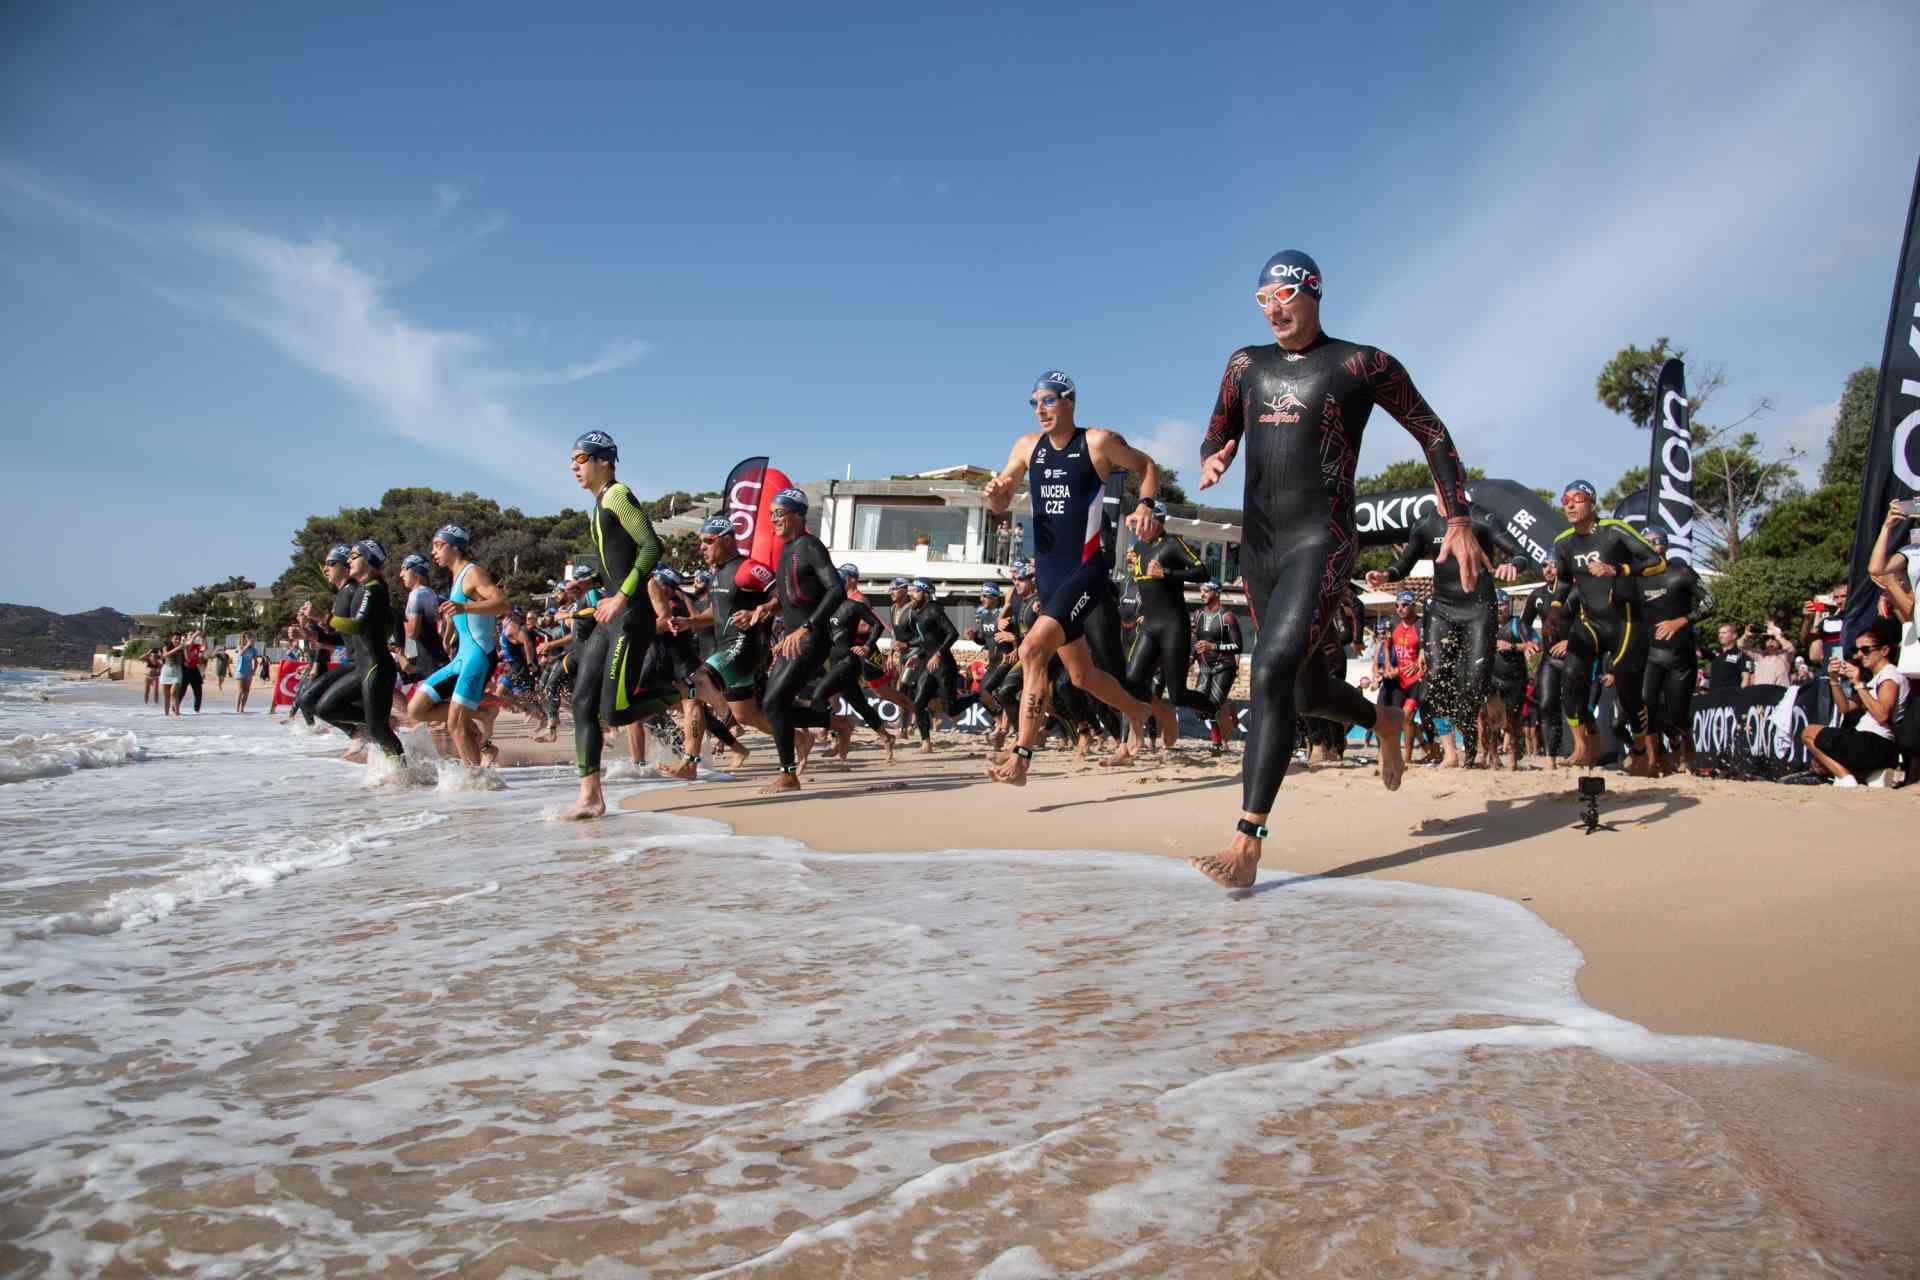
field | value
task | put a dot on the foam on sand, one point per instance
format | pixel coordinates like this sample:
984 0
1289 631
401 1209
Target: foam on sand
49 755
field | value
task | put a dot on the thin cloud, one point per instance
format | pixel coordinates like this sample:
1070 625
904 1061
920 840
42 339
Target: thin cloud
613 357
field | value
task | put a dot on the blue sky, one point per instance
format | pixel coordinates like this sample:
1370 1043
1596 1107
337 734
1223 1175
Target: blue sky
262 261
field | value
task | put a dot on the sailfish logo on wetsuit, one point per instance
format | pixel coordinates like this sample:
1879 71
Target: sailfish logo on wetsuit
1285 407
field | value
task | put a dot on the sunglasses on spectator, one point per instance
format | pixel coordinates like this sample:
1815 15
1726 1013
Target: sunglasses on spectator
1861 651
1043 402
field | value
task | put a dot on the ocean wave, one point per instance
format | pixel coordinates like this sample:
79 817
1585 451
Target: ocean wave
224 875
49 755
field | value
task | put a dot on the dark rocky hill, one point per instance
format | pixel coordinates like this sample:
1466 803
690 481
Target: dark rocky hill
31 637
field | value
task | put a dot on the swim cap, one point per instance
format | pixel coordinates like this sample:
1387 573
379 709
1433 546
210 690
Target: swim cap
898 584
417 562
1024 571
597 445
453 535
338 553
921 584
581 572
790 500
1580 486
715 526
703 576
1054 380
1405 597
1655 536
849 570
668 576
990 589
1210 585
1290 266
754 575
371 551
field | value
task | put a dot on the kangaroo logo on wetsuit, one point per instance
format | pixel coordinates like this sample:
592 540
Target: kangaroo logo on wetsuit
1066 490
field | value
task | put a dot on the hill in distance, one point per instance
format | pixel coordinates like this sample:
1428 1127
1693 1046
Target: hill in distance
31 637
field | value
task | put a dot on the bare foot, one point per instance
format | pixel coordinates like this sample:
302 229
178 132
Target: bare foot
889 740
1123 755
1586 747
356 753
926 747
781 782
489 754
1640 764
1393 765
685 771
802 748
1233 867
1013 772
588 806
740 757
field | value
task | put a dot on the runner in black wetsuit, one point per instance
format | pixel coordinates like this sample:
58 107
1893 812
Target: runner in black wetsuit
1595 558
984 632
1217 646
613 679
370 630
1066 468
933 636
737 610
1163 644
323 637
808 590
1550 677
1460 624
1673 602
1509 683
1015 620
854 626
1301 405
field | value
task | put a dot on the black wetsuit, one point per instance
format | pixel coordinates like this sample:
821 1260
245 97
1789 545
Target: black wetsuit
1459 626
369 632
1022 613
1599 617
1220 665
810 590
320 679
846 670
1673 665
1298 416
1549 679
1163 642
613 677
933 636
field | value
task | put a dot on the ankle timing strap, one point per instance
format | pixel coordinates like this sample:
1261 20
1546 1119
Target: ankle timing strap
1025 753
1253 829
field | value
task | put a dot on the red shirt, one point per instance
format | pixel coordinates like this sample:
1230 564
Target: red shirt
193 653
1406 649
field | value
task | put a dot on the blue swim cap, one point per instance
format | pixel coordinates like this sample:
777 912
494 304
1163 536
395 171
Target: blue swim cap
1405 597
417 562
1581 486
1210 585
668 576
921 584
990 589
790 500
581 572
1290 266
1054 380
370 550
703 576
452 534
716 526
338 553
597 445
898 584
1022 569
849 570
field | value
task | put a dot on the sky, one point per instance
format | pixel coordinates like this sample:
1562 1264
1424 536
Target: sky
264 261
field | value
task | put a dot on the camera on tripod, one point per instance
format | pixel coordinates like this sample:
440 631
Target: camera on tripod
1592 788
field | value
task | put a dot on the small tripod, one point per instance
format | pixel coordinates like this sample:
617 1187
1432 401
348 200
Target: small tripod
1591 789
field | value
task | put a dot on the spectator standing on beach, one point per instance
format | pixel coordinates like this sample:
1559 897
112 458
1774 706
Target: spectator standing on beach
222 663
1822 622
1897 574
1774 663
249 659
1864 681
170 674
1729 666
154 663
192 656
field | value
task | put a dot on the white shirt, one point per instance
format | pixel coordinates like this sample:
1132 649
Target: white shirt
1909 633
1870 725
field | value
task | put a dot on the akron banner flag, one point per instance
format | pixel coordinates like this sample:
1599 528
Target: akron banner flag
1893 449
1670 463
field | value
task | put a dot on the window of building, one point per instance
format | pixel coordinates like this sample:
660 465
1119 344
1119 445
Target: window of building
877 527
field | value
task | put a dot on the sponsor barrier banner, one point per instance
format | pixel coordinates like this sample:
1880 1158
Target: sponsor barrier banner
1383 519
1893 448
286 683
1669 493
1754 733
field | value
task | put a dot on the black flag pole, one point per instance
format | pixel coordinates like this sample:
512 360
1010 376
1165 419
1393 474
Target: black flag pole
1893 447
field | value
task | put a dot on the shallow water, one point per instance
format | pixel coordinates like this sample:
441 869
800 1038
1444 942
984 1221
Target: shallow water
262 1017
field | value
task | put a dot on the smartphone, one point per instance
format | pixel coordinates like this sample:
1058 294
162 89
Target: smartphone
1909 507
